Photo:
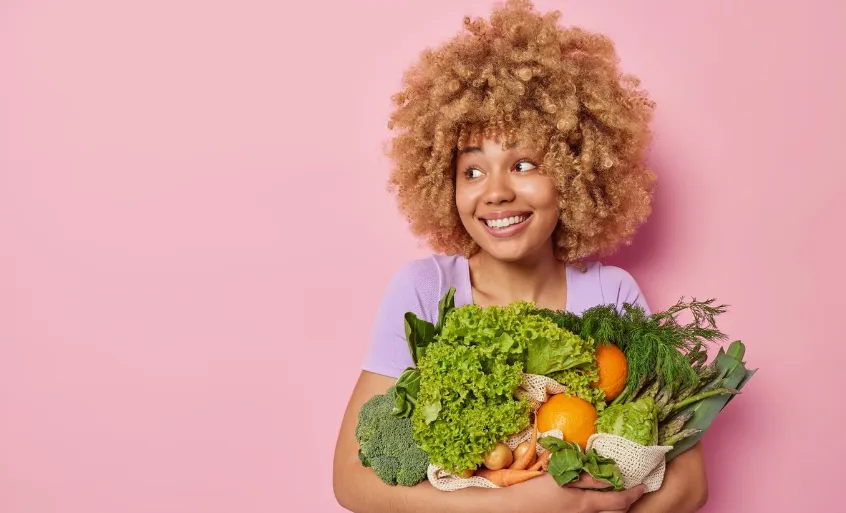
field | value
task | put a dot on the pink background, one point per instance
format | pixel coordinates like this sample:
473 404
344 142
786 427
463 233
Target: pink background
189 189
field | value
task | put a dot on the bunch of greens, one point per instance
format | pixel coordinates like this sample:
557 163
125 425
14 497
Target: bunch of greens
656 346
671 395
567 462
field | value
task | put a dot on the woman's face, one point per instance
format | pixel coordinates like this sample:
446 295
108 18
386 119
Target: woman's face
505 204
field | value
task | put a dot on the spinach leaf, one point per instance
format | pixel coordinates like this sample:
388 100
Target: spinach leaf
407 387
603 469
419 333
568 461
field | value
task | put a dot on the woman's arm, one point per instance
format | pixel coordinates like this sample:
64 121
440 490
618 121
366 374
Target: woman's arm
685 486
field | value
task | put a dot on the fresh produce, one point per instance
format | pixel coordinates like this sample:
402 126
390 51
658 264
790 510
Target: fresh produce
568 461
667 368
508 477
686 419
638 376
656 346
573 416
499 457
527 457
636 421
613 370
522 449
386 443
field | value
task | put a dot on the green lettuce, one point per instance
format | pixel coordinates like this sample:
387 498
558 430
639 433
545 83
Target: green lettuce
636 421
466 404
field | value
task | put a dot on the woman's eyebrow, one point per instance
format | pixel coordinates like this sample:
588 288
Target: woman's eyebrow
477 149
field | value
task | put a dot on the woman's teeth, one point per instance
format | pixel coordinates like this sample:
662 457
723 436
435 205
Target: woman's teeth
504 223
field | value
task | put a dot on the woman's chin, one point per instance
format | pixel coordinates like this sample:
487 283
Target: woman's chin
510 251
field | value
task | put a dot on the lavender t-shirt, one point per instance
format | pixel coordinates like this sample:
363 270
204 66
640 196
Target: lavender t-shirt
420 284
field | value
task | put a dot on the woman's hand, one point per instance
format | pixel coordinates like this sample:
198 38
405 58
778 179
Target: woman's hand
544 495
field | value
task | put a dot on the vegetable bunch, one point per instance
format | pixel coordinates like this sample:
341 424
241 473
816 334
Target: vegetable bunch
671 394
458 403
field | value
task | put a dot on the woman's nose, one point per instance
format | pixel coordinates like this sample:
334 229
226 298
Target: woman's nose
499 189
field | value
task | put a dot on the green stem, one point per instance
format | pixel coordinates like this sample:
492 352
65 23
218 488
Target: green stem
703 395
678 437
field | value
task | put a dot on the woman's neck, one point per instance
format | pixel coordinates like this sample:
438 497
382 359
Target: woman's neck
540 279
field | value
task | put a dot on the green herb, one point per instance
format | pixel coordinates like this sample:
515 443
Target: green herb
654 345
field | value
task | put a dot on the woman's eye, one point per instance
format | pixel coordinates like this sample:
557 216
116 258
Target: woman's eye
524 166
472 173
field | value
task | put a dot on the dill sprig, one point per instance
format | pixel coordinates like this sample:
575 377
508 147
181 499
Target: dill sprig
658 346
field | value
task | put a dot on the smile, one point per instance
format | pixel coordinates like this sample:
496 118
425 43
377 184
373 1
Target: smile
506 222
506 226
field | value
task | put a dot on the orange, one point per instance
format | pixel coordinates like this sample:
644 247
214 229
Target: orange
572 415
613 370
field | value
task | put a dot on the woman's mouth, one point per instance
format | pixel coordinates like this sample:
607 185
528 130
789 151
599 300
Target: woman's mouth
506 226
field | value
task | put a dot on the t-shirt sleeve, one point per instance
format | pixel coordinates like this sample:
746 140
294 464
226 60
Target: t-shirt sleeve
619 287
412 289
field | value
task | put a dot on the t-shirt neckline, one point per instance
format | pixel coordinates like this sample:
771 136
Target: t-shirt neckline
467 288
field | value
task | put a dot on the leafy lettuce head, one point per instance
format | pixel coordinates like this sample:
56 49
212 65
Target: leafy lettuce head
636 421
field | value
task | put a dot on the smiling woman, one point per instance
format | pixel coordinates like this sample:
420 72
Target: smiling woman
518 155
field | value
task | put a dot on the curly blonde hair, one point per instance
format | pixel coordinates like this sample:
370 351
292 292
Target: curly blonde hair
519 78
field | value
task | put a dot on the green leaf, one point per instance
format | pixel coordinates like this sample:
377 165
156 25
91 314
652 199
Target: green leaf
555 444
445 305
557 350
564 477
636 421
419 334
431 411
566 465
603 469
407 387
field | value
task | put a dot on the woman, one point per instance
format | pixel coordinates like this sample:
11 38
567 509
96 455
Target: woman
518 156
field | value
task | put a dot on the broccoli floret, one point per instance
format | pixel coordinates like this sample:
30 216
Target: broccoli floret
386 443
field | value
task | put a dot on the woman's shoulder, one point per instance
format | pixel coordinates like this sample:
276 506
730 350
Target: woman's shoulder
422 282
416 286
601 283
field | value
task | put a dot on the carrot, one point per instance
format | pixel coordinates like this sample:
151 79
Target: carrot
543 461
508 477
525 459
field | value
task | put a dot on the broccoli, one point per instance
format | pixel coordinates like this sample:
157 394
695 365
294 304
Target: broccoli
386 444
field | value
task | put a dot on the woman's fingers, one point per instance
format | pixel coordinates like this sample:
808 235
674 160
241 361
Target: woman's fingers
612 501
